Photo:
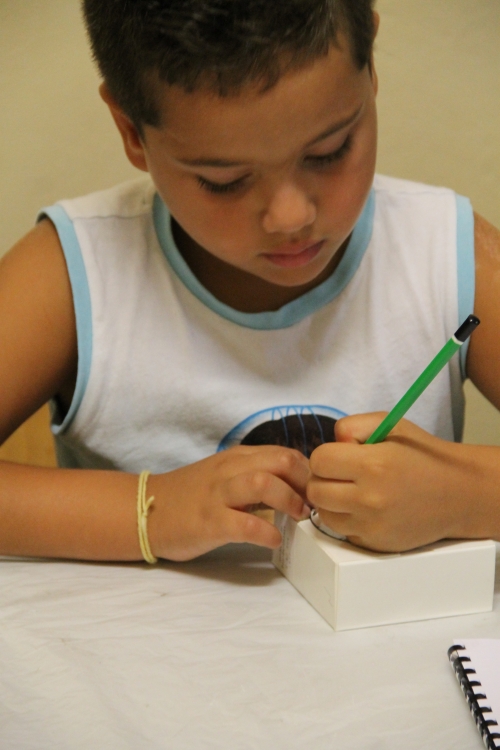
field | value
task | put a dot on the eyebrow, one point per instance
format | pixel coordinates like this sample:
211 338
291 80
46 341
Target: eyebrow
227 163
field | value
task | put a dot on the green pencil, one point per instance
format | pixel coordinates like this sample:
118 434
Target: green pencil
440 360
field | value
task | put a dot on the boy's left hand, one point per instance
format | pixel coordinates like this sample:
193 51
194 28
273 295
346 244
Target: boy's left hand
396 495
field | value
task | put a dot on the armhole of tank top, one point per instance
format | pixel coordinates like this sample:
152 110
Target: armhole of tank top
466 272
83 311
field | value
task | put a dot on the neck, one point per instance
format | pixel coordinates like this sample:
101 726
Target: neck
236 288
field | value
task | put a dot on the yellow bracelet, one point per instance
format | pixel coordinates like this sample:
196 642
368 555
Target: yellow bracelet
143 507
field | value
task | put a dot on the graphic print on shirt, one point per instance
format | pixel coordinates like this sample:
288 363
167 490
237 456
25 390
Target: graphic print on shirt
296 426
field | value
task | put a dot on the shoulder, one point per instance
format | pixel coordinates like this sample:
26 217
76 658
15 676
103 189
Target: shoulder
414 209
126 200
395 186
38 255
95 231
37 335
487 243
418 222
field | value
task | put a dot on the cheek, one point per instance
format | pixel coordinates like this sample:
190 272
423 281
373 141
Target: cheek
221 227
345 193
342 202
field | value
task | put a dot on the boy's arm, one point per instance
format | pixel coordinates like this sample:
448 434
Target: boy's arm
92 514
49 511
483 357
414 488
37 327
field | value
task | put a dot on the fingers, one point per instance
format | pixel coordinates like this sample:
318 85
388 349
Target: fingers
357 428
289 465
348 460
341 461
256 487
244 527
279 482
339 497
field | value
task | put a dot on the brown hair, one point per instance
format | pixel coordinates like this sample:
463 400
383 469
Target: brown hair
222 44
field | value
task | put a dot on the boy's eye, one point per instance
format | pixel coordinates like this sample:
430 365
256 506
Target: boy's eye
326 159
221 187
316 162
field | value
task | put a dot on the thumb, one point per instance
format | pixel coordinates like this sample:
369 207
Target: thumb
357 428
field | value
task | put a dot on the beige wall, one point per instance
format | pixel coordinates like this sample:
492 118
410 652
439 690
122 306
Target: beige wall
439 104
439 68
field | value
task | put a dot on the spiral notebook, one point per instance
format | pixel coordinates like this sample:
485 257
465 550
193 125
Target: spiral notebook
476 663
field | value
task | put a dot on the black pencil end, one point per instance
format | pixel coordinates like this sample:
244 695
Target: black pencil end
468 326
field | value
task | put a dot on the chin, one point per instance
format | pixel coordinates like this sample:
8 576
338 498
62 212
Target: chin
292 278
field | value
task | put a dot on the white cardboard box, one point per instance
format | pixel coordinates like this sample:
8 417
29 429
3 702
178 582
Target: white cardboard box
355 588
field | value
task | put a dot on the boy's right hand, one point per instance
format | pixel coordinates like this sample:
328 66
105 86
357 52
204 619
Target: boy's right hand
206 504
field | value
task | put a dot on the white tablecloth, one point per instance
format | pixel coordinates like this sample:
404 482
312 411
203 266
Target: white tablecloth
218 653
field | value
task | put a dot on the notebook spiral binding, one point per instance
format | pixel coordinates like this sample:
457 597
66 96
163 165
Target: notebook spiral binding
462 672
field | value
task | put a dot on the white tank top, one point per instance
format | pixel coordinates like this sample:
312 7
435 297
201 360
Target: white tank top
168 375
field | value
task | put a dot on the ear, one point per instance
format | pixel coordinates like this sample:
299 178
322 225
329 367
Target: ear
132 142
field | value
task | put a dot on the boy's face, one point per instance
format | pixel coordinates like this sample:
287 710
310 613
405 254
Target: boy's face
270 184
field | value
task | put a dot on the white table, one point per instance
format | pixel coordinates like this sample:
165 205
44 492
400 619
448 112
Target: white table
218 653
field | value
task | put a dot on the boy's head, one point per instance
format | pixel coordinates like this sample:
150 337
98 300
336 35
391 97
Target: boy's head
256 120
218 44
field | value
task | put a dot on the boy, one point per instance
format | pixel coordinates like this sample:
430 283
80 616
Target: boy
277 284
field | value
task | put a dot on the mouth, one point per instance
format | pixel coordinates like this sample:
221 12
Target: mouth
296 255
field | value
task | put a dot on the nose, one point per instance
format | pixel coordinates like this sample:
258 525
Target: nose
289 210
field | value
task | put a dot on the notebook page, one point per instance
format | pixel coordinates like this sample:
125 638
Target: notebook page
484 654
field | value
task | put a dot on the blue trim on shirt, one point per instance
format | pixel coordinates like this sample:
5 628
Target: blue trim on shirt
294 311
82 304
465 268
